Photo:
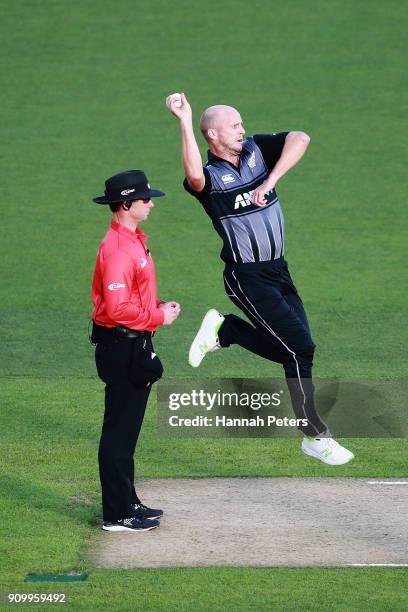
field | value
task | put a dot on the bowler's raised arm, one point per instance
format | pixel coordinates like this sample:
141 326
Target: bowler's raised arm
179 106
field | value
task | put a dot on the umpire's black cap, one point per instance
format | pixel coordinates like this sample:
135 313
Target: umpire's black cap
127 186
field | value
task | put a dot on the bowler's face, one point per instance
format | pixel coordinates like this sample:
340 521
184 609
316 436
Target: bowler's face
230 132
140 210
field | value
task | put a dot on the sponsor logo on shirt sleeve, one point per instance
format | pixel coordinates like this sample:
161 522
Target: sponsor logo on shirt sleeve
115 286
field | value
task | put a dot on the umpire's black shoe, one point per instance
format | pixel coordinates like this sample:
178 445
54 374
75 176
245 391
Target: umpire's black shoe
134 523
144 512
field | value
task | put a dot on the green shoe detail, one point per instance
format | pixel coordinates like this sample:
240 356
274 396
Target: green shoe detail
217 327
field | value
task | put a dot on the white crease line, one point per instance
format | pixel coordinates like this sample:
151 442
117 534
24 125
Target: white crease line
377 564
387 482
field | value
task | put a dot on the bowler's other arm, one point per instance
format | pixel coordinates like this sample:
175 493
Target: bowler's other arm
293 150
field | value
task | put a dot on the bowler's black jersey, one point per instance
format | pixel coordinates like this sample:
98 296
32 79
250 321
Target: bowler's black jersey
249 233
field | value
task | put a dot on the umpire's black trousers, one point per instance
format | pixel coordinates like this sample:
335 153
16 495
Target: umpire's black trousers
125 405
265 292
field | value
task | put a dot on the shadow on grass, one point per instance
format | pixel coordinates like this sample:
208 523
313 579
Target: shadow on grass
82 508
64 424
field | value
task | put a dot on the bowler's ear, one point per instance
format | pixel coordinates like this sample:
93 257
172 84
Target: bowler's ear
211 133
126 205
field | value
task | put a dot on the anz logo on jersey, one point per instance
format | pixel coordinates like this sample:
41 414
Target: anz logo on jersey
243 199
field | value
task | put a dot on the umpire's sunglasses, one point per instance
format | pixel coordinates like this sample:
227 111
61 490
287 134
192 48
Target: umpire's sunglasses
144 200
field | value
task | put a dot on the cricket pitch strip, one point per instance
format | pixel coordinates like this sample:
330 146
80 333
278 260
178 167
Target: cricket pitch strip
266 522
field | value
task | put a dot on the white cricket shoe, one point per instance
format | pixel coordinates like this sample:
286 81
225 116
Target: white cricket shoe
327 450
206 340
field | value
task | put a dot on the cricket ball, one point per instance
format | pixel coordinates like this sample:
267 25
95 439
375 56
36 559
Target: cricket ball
176 100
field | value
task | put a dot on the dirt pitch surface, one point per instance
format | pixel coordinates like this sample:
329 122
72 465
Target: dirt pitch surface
266 522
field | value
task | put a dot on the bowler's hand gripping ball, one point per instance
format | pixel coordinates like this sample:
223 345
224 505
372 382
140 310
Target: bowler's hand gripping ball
176 100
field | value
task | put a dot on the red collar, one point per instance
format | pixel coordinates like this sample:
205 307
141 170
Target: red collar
138 234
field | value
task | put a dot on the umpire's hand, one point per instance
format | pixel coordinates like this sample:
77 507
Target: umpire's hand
171 312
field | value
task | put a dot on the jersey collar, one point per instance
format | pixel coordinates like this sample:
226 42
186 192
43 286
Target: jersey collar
125 231
214 159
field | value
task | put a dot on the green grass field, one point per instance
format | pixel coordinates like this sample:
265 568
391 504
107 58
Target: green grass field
83 89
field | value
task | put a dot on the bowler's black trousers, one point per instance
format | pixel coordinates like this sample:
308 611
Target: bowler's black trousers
265 292
125 405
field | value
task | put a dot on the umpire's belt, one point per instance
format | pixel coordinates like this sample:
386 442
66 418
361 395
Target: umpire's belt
100 333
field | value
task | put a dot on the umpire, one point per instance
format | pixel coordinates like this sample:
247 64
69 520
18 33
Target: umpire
126 315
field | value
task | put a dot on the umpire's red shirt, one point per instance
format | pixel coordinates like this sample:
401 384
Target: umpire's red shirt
124 283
